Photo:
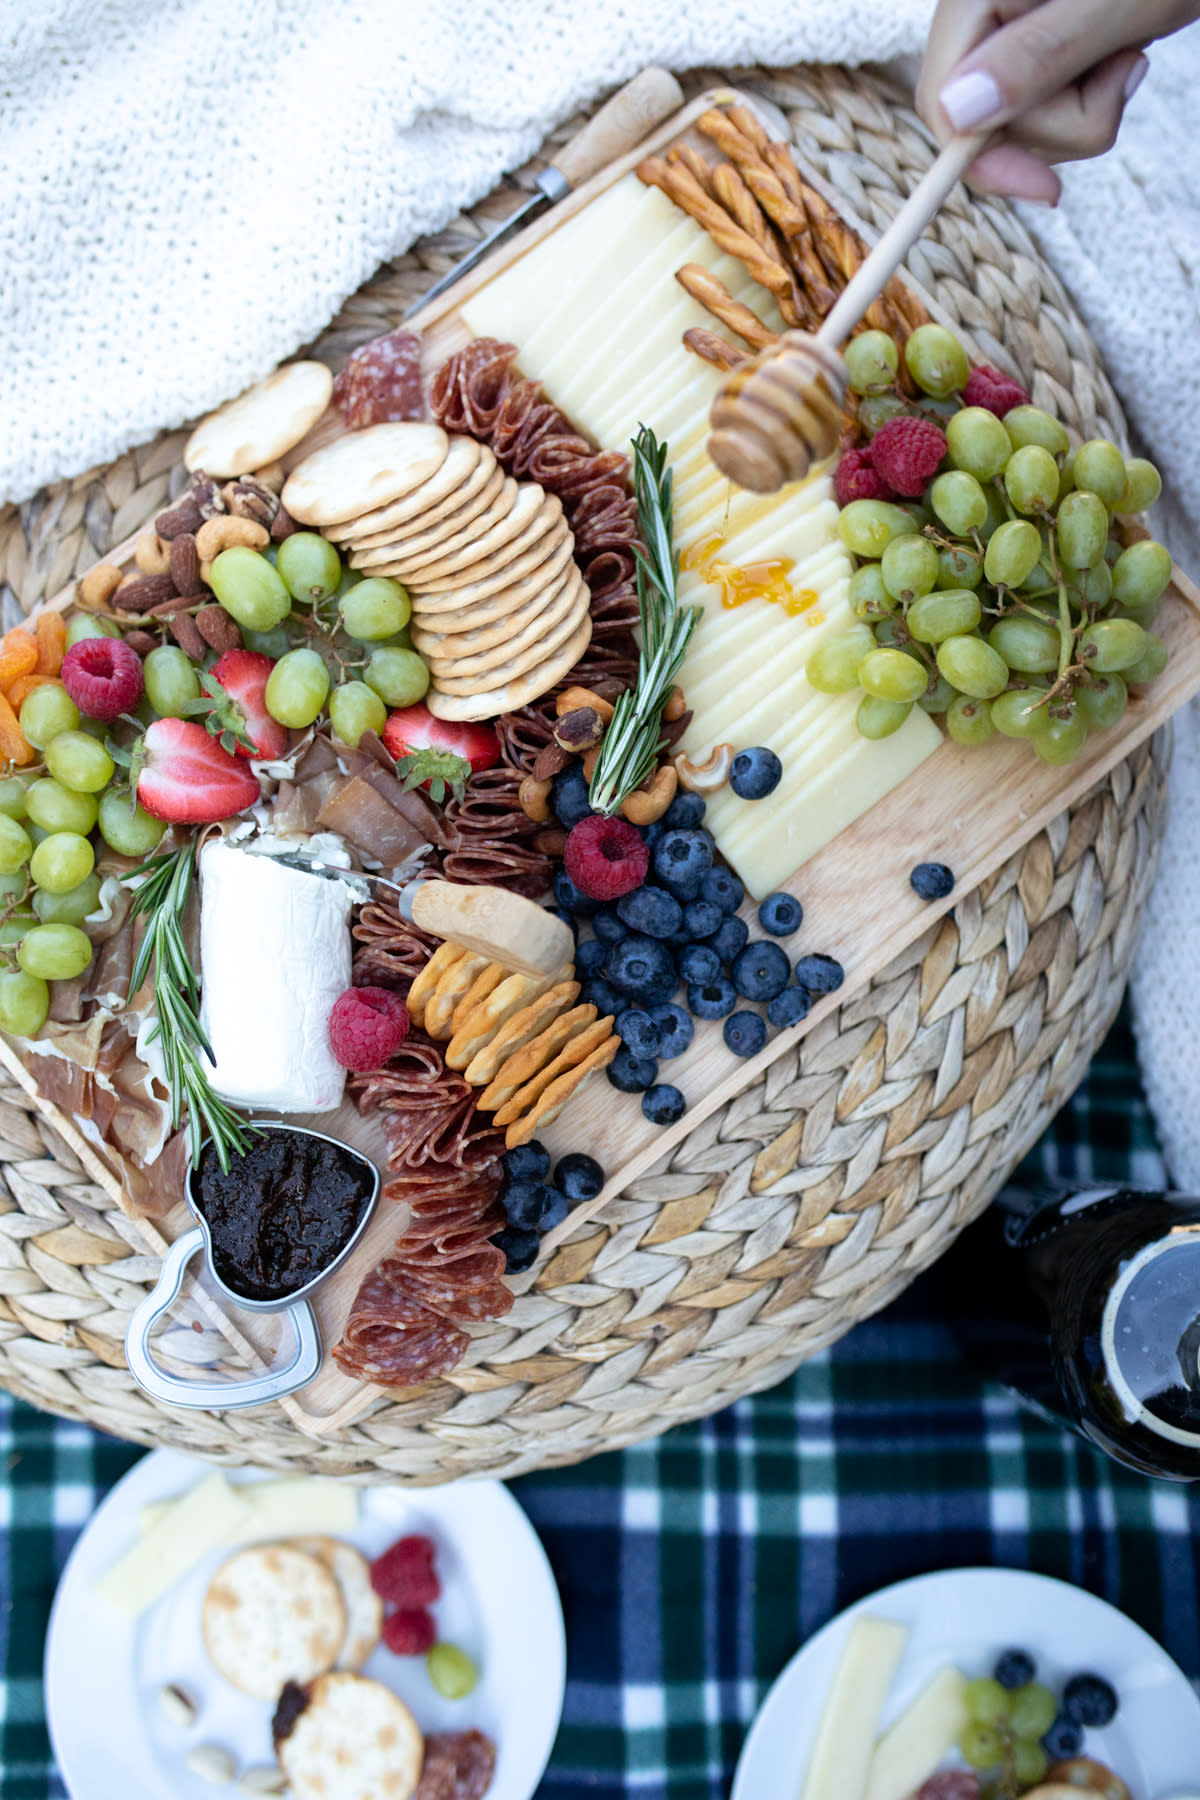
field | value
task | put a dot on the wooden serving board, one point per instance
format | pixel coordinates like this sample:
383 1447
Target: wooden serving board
969 808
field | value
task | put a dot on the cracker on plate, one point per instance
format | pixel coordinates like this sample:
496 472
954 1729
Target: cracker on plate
354 1740
272 1614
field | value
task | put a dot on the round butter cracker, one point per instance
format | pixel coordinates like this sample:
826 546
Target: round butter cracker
271 1615
505 662
355 1740
533 516
364 1609
490 703
451 612
362 470
482 486
466 638
261 424
468 467
454 531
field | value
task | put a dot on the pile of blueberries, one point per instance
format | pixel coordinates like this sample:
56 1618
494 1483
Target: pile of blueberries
535 1202
680 929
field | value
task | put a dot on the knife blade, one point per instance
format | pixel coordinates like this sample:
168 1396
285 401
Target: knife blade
620 124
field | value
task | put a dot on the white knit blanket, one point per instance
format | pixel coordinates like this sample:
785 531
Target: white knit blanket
190 188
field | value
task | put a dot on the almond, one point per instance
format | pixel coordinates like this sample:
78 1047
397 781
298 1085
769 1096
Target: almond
185 563
218 630
185 515
143 642
142 592
282 526
187 635
549 761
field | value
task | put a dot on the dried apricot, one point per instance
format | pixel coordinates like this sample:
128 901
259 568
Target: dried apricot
13 744
50 632
20 689
18 655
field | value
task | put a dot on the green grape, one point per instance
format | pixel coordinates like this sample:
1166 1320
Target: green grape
399 677
1029 1761
997 512
868 526
375 608
1151 663
938 695
986 1701
959 567
297 687
309 566
1031 479
16 845
1143 485
973 667
872 361
1141 575
978 442
970 721
878 718
1095 586
78 761
56 808
917 511
24 1003
937 361
1034 1710
1112 644
833 666
86 625
451 1670
1030 425
15 925
982 1746
892 633
130 831
878 410
12 797
1012 553
55 952
1102 701
869 599
61 861
909 567
1081 529
1026 644
47 711
71 908
12 887
892 675
1018 712
1100 468
355 708
942 614
959 501
1066 475
249 589
1059 741
274 643
172 681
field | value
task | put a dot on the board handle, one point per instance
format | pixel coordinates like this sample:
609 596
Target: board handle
620 124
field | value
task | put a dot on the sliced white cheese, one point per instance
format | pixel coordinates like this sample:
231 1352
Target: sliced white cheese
296 1506
201 1521
275 954
910 1750
849 1723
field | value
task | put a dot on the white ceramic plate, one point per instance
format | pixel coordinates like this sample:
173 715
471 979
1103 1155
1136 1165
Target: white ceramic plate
103 1672
967 1617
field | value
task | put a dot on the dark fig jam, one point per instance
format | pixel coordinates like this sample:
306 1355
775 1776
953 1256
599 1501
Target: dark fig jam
283 1212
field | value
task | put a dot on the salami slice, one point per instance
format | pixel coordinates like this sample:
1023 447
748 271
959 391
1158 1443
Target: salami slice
394 1340
459 1765
950 1784
381 382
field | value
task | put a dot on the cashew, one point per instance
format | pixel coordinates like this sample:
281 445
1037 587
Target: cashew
676 705
645 805
707 776
534 799
153 554
223 531
98 586
575 697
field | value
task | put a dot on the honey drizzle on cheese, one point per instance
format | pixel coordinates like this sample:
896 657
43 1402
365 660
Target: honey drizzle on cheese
753 581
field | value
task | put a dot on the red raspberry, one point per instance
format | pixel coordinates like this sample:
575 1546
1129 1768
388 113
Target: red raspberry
606 857
857 478
366 1027
409 1633
103 677
906 452
999 393
405 1575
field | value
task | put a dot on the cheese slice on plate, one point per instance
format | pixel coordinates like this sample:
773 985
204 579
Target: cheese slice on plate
296 1506
849 1722
201 1521
910 1750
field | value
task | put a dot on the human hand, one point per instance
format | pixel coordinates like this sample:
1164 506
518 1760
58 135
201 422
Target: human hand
1052 76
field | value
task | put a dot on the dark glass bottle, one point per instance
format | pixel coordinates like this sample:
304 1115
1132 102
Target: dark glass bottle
1087 1305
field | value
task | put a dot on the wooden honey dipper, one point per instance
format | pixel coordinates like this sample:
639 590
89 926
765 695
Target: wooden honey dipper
781 411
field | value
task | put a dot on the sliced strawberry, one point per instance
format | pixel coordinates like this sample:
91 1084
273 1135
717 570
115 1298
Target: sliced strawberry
185 776
238 716
414 728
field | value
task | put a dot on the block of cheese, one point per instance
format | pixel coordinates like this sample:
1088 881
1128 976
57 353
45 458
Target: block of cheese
296 1506
910 1750
201 1521
849 1724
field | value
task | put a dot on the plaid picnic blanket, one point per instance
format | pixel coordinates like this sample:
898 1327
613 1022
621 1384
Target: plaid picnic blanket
692 1567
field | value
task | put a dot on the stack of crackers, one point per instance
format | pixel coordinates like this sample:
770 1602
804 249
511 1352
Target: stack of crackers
522 1038
500 608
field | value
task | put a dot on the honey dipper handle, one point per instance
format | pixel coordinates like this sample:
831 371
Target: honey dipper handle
873 274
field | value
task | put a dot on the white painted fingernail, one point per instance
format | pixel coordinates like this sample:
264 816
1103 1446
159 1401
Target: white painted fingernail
1136 76
970 100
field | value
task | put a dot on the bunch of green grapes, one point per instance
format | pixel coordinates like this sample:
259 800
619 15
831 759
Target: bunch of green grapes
1004 1732
1004 599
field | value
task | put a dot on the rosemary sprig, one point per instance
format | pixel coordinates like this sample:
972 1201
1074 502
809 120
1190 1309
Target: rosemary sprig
161 896
633 739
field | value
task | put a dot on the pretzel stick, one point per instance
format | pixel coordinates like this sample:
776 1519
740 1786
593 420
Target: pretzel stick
715 297
683 188
780 159
778 201
733 194
711 347
750 126
691 159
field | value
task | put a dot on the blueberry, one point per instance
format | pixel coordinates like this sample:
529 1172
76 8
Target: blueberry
702 919
745 1033
819 974
1089 1700
571 898
683 891
1064 1738
589 957
675 1028
755 773
605 999
731 940
684 856
931 881
723 888
528 1204
632 1074
789 1007
638 1032
1014 1669
578 1176
642 968
520 1249
528 1162
652 833
699 962
780 914
556 1211
663 1104
652 910
569 797
761 971
685 811
607 927
712 999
